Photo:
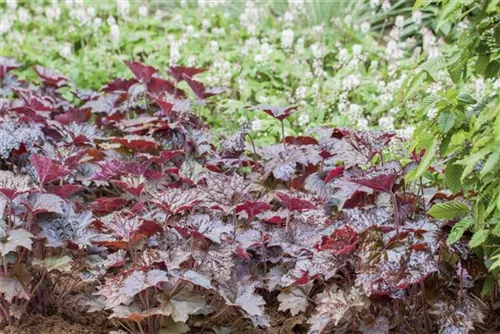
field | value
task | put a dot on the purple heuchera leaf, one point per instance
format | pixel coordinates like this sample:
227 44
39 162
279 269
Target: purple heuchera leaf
47 169
380 178
295 203
178 72
7 65
142 72
277 112
119 85
200 90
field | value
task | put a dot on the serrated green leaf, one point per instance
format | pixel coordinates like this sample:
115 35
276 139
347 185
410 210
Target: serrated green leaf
490 163
481 63
496 229
465 98
479 238
415 85
446 120
458 230
452 177
449 210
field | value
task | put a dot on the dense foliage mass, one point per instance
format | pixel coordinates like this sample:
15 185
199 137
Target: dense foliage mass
124 201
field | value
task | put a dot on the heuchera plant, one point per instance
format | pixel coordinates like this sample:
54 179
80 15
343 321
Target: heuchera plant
127 192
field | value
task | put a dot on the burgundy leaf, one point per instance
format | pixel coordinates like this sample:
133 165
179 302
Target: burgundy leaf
295 203
109 169
50 77
137 143
65 190
252 208
7 65
200 90
380 178
119 85
142 72
178 72
157 86
277 112
336 172
106 204
47 169
341 241
76 115
300 140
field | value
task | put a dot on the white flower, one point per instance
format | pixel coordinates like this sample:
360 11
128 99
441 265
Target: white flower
175 54
214 46
479 86
115 34
256 124
374 3
250 17
373 64
343 55
123 7
386 123
110 21
191 61
299 46
97 23
265 51
5 25
12 4
431 113
348 20
303 119
287 37
65 51
406 133
400 21
301 92
288 17
23 15
417 17
386 6
357 49
317 50
69 3
350 82
53 13
143 11
496 83
365 27
205 24
362 124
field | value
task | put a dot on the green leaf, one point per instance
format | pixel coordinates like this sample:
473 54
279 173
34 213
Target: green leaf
458 230
432 66
415 85
496 229
466 98
491 163
446 120
487 286
481 63
452 177
479 238
430 154
449 210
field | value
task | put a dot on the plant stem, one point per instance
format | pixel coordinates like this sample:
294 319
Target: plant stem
283 133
